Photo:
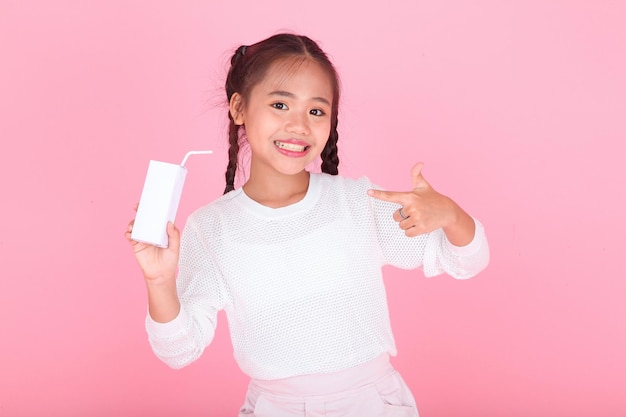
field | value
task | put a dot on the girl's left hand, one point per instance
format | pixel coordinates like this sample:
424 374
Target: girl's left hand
422 209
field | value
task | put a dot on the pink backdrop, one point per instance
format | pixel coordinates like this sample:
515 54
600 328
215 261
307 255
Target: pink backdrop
517 108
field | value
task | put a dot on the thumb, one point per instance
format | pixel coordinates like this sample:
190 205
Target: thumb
173 237
416 175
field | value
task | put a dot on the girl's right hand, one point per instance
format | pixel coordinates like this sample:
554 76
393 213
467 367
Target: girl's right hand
157 264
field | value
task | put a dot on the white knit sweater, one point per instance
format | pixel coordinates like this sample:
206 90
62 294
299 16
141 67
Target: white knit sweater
301 285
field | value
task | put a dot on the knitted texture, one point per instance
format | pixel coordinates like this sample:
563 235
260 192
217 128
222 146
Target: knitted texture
301 285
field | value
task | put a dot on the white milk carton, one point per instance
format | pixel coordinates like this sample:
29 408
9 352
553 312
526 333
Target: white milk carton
159 200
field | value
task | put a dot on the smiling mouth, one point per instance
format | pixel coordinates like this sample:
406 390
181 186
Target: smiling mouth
291 146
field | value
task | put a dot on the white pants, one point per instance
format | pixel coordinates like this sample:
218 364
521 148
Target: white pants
374 389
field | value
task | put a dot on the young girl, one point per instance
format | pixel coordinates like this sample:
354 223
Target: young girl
293 257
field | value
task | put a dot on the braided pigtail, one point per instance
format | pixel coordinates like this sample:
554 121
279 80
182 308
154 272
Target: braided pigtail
330 156
233 155
233 82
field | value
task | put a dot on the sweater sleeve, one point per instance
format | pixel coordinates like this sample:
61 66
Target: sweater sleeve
460 262
432 251
182 340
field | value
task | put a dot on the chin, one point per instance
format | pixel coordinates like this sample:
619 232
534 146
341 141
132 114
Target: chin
293 169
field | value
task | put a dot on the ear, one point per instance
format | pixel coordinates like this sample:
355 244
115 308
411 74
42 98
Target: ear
236 108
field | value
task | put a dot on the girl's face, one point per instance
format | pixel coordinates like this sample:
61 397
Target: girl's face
287 117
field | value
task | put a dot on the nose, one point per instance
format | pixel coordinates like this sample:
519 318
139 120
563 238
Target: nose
298 123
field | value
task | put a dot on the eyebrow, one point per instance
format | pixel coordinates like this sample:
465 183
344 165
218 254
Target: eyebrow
291 95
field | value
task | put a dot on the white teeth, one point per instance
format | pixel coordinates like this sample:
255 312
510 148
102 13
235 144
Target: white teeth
290 146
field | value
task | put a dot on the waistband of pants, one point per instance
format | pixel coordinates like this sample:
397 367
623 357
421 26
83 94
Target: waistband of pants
325 384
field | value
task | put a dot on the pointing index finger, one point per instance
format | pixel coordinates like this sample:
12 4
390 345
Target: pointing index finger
399 197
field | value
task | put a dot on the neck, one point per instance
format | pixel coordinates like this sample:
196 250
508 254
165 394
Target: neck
277 190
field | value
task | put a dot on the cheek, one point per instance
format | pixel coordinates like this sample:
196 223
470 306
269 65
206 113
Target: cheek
323 131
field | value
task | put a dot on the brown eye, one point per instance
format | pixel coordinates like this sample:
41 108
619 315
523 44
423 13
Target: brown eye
280 106
317 112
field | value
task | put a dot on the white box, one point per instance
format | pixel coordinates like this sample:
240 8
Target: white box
159 202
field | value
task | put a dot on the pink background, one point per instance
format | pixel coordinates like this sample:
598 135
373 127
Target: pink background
517 109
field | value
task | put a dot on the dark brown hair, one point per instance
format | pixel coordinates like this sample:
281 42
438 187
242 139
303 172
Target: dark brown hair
249 65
